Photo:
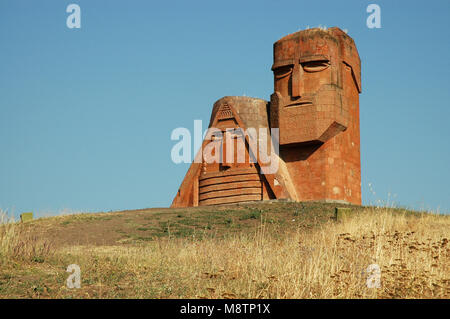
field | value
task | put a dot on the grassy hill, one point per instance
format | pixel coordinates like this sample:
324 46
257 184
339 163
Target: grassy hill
252 250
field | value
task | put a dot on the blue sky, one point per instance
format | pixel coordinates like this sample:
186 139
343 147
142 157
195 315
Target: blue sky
86 114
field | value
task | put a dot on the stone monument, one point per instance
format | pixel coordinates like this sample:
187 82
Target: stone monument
312 121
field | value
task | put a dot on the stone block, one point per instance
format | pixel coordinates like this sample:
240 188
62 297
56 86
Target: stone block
342 213
24 217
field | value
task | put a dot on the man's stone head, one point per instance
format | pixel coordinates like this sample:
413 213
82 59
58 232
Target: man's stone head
312 69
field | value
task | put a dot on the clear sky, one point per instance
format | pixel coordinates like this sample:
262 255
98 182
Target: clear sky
86 114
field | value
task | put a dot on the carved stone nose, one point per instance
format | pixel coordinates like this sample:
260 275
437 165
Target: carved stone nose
295 81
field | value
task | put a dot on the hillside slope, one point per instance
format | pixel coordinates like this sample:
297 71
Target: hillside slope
258 250
132 227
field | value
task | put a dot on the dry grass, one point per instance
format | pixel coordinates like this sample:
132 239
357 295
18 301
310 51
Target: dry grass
18 243
329 261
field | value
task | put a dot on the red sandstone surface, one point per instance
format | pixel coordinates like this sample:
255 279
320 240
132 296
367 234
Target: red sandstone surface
315 106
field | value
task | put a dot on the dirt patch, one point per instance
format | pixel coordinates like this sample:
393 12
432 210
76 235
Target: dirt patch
129 227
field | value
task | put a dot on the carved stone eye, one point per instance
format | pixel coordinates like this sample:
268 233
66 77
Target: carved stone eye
283 71
315 66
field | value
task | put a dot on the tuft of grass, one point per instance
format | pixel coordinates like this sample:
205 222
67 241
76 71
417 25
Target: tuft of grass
255 214
17 243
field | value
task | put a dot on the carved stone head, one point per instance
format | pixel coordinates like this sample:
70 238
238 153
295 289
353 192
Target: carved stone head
316 76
